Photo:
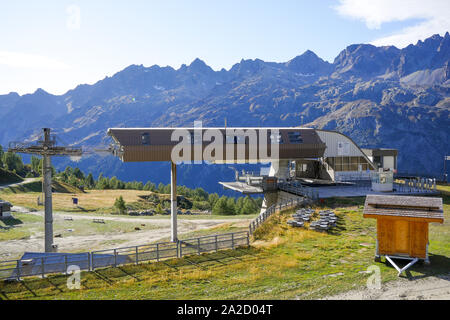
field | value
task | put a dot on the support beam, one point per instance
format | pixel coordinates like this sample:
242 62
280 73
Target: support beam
173 201
400 270
47 186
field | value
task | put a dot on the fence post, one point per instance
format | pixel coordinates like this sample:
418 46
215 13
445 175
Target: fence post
65 264
157 252
115 258
198 245
217 248
18 270
43 269
232 241
181 249
90 266
248 239
137 255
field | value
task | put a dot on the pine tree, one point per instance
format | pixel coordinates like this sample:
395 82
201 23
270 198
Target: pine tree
114 183
250 206
1 156
212 199
159 209
13 162
231 206
90 182
78 173
239 205
35 161
221 206
120 205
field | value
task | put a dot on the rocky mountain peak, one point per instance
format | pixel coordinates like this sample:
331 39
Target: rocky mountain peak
199 66
309 63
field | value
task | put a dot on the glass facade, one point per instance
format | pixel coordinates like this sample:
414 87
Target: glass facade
348 164
145 139
295 137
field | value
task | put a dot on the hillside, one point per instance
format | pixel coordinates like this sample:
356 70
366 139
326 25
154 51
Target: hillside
36 186
379 96
7 176
282 263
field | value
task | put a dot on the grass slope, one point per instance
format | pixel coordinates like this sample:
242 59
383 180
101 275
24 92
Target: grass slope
9 177
282 263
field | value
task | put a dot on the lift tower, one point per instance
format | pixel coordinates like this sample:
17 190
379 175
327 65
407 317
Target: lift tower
46 147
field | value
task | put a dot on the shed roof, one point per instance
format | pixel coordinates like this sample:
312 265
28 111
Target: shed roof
425 208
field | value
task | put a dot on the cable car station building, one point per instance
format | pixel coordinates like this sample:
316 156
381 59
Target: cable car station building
295 155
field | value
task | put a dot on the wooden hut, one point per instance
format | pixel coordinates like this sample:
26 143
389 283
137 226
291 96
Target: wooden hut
402 225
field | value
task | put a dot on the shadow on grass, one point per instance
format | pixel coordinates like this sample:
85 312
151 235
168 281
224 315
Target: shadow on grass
341 202
439 267
11 221
340 227
106 277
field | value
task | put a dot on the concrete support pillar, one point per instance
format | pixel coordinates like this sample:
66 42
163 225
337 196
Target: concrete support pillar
47 187
173 201
270 198
279 169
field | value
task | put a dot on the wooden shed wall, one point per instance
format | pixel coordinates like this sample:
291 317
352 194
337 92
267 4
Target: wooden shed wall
402 237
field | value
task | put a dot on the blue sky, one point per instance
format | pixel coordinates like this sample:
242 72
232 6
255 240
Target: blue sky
56 45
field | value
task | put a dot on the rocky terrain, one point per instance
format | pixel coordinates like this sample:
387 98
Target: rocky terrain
379 96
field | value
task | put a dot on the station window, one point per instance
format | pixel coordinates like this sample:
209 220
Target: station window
348 163
235 139
276 139
145 139
295 137
196 138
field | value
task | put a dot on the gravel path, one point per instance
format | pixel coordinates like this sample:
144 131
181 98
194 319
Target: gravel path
12 249
26 180
430 288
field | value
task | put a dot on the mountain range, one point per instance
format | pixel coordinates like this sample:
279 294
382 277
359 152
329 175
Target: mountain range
379 96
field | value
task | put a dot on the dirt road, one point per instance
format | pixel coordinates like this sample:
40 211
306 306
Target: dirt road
26 180
13 249
430 288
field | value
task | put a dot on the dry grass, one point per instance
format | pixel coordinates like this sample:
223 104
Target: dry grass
92 200
288 263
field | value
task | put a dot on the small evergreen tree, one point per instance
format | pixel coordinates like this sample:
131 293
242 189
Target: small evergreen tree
221 206
159 209
239 205
35 165
1 156
250 206
212 199
231 206
78 173
120 205
89 181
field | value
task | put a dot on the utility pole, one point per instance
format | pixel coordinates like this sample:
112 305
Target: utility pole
173 201
445 170
46 147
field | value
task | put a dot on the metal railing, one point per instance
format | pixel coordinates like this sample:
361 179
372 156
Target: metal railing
89 261
298 189
288 204
416 185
